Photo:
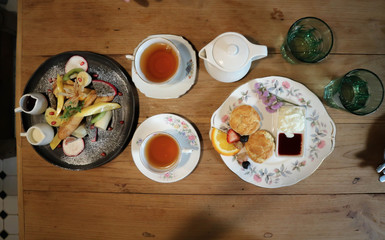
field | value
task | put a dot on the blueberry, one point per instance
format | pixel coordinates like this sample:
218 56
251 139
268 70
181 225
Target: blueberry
244 138
246 164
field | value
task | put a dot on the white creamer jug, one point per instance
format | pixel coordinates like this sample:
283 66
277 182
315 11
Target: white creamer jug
228 57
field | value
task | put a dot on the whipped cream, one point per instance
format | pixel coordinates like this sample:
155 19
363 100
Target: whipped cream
291 119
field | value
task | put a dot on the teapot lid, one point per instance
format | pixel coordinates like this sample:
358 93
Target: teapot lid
231 51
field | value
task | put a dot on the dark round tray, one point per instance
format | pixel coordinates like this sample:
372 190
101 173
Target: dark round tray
110 143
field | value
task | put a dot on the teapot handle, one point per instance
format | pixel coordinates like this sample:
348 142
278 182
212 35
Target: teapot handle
130 57
202 54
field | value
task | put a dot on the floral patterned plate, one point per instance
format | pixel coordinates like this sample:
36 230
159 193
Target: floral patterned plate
319 135
179 128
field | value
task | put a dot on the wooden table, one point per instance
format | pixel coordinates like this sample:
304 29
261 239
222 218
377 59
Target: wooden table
343 199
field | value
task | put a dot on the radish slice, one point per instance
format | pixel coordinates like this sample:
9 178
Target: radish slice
76 61
73 146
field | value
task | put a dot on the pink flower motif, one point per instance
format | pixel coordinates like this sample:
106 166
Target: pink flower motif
167 175
240 100
276 170
286 84
321 144
191 137
303 163
225 118
257 178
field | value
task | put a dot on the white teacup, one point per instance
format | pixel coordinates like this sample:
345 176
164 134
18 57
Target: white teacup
156 60
39 134
161 152
32 103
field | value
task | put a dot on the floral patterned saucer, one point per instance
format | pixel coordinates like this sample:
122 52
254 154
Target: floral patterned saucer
179 128
186 78
319 135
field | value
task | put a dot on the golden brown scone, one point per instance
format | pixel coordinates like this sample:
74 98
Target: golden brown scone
260 146
245 120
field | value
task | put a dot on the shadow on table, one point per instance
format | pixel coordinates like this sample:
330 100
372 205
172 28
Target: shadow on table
144 3
373 155
202 226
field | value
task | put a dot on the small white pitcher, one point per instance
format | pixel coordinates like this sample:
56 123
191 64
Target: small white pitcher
32 103
39 134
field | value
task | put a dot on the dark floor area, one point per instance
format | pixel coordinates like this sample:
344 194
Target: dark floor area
8 28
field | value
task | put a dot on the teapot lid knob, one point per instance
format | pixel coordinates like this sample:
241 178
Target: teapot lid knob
230 51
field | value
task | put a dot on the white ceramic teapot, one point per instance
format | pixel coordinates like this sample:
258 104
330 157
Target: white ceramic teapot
228 57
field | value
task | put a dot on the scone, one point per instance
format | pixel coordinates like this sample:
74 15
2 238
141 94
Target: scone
260 146
244 120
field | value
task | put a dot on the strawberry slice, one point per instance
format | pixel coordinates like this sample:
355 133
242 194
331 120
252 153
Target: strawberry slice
232 136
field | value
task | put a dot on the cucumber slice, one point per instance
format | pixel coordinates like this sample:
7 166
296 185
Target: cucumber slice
104 121
68 75
98 117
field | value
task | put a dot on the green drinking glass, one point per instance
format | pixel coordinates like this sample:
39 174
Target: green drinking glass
359 92
308 40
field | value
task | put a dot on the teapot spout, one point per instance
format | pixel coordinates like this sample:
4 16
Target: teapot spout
257 51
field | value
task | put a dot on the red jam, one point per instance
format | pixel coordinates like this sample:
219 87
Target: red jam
290 146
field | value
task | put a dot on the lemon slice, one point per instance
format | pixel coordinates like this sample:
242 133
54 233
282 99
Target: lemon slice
97 108
220 144
84 79
60 98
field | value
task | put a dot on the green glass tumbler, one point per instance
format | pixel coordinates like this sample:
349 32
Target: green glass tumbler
360 92
308 40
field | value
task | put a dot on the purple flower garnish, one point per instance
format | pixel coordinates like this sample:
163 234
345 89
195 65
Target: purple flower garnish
270 110
264 99
276 105
266 93
271 101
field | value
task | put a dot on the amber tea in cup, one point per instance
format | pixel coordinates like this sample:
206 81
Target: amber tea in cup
156 60
159 62
160 152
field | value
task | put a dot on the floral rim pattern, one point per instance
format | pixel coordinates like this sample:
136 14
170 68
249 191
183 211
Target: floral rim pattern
183 129
188 75
319 136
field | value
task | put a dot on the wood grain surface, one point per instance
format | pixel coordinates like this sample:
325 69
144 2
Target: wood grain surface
343 199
